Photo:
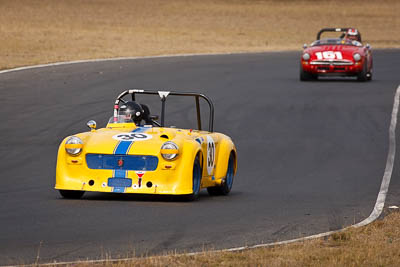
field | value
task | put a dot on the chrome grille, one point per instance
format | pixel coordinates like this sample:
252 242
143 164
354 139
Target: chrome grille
333 62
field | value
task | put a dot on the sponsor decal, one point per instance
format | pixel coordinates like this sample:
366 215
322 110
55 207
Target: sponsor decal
140 175
199 140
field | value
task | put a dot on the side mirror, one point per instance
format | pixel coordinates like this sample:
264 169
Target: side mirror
304 46
91 124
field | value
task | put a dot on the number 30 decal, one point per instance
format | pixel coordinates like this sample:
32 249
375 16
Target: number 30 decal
329 55
210 154
132 137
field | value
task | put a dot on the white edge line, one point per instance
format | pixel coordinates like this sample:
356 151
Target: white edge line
376 212
139 57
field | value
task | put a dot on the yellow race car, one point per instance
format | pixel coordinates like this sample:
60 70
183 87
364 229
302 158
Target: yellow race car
138 154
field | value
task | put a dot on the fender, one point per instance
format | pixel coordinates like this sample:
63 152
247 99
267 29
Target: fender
186 166
226 147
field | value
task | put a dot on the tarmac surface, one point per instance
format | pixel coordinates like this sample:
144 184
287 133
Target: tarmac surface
311 155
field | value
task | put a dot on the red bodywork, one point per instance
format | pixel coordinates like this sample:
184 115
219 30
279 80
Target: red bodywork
337 60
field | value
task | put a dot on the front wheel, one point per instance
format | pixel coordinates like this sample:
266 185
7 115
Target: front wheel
369 75
71 194
362 76
196 178
227 183
306 76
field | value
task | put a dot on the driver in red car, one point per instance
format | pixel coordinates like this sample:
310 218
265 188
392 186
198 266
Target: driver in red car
353 35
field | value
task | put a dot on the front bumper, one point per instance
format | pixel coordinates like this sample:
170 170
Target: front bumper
168 178
342 68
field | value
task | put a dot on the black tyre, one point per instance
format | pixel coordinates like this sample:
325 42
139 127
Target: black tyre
196 178
362 76
369 76
306 76
71 194
227 183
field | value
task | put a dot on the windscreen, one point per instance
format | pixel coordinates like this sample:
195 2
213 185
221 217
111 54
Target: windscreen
120 119
336 41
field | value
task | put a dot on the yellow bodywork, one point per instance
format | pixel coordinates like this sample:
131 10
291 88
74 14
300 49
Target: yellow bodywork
170 176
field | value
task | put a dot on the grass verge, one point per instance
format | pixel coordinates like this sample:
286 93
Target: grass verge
43 31
377 244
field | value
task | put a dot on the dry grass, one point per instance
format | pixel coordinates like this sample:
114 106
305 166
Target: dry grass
42 31
377 244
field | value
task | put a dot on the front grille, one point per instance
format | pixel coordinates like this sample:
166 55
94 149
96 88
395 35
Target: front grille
122 162
332 62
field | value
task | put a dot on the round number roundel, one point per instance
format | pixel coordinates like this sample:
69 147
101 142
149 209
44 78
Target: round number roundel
132 137
210 155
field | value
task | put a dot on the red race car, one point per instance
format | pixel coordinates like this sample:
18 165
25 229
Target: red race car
343 56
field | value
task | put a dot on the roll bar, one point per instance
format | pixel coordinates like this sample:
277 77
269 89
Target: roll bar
163 95
333 30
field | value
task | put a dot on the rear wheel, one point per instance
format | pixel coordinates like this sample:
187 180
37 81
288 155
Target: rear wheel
71 194
227 183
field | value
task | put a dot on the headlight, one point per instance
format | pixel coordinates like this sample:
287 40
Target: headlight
357 57
306 56
169 150
73 145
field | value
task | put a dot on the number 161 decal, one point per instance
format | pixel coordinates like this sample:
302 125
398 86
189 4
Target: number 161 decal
329 55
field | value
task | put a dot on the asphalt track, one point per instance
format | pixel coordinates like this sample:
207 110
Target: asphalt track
311 156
